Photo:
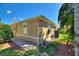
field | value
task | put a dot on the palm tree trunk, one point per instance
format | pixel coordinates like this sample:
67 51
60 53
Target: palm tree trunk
68 39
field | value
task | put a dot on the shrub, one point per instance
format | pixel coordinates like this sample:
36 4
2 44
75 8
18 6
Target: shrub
6 33
1 35
50 50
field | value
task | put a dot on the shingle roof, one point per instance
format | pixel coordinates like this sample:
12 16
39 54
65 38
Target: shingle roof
40 16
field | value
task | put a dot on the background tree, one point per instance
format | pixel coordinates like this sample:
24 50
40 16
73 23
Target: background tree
0 20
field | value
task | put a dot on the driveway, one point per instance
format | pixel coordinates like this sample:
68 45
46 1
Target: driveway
24 43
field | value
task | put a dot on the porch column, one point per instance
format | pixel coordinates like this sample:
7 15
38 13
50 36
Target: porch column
76 28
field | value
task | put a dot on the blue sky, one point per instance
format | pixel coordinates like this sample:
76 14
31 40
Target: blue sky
22 11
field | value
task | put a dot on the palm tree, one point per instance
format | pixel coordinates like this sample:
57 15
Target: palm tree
66 18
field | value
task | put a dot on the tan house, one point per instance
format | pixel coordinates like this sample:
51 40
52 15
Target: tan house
33 29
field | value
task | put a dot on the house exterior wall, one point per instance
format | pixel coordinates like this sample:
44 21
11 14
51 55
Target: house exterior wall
32 31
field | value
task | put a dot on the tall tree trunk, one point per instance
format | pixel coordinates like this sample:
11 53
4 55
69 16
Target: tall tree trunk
68 39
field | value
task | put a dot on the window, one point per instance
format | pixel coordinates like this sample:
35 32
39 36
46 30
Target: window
49 26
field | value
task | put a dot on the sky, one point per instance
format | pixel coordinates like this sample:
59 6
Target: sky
21 11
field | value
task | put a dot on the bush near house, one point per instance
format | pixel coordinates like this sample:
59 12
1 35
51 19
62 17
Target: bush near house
5 33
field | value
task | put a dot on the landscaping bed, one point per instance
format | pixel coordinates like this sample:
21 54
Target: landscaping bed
38 51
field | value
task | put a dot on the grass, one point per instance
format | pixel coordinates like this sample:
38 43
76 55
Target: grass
11 52
63 37
1 47
33 52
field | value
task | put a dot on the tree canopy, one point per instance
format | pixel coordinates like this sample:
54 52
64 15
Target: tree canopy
6 32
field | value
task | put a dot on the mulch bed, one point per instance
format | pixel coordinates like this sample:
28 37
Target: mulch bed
66 50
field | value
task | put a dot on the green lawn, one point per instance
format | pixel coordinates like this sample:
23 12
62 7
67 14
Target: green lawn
64 37
11 52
